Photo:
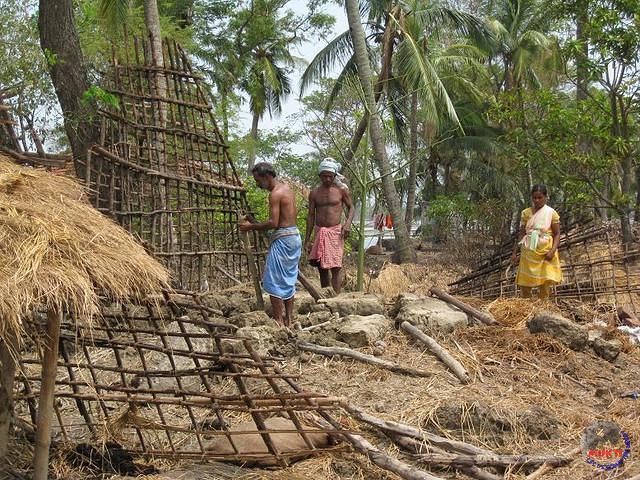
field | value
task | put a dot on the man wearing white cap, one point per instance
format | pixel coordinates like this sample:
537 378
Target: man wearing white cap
326 204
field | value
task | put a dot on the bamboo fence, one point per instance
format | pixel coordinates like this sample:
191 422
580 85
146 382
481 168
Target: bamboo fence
596 267
163 170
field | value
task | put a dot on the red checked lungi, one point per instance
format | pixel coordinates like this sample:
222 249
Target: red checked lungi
328 247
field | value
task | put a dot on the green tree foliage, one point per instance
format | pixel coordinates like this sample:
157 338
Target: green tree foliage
24 81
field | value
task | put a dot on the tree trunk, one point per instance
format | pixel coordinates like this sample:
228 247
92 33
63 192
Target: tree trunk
60 43
404 248
637 212
413 162
582 71
152 21
385 73
45 402
253 142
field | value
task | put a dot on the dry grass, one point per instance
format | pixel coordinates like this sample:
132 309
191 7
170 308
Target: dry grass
57 251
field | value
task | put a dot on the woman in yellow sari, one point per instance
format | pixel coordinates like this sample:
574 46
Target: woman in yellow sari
539 236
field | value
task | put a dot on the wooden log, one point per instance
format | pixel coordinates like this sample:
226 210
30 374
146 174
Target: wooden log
45 403
407 472
434 347
8 352
468 309
414 446
502 461
547 467
362 357
310 287
412 432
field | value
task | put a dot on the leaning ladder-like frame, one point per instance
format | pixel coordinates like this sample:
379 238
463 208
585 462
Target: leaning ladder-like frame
163 170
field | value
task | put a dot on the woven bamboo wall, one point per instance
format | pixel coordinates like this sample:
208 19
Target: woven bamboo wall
163 171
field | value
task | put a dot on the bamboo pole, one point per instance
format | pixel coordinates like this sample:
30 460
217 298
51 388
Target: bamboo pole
468 309
412 432
7 378
415 446
440 352
45 403
363 357
253 270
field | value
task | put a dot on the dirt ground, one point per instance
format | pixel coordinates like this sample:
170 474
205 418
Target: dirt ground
528 395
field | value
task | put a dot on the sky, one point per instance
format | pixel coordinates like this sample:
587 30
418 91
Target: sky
307 51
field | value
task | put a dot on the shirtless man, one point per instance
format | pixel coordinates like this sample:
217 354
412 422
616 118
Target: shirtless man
281 266
326 204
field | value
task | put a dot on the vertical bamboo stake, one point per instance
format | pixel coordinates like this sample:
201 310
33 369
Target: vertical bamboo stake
7 377
252 270
45 403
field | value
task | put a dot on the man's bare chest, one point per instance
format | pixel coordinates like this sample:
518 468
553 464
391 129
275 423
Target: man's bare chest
329 198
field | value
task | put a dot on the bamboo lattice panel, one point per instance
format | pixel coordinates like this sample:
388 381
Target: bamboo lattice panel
595 266
164 379
163 171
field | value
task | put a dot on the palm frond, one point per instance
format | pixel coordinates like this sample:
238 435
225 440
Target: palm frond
338 50
114 12
348 73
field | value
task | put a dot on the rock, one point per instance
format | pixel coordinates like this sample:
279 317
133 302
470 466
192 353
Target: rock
229 304
499 426
627 317
354 304
374 250
318 307
573 336
607 349
380 407
304 303
377 351
539 423
599 433
265 339
251 319
360 331
428 313
315 318
380 344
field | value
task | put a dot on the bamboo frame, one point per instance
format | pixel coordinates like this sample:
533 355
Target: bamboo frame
612 275
163 171
153 382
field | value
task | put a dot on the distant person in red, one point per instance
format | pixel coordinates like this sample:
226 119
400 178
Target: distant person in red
326 204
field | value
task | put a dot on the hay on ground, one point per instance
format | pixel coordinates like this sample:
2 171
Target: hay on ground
56 250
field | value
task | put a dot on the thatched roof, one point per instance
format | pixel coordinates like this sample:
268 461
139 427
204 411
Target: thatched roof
57 250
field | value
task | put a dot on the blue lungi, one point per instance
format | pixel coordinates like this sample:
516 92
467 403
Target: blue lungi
281 266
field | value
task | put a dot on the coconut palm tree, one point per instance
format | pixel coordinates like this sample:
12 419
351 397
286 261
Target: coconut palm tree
403 29
267 83
404 248
522 42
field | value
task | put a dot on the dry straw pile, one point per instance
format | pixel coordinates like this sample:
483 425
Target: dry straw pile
57 251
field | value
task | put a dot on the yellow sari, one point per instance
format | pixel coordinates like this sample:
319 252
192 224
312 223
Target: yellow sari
534 270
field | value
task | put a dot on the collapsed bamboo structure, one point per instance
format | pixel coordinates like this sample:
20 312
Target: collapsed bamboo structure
596 267
57 255
163 170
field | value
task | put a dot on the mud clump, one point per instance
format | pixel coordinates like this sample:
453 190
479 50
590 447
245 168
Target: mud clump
498 428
